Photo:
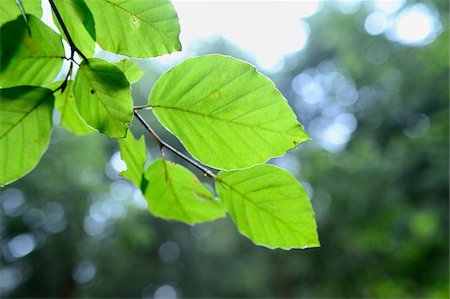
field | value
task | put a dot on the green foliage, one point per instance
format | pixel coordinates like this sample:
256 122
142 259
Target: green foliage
68 111
130 69
79 23
221 103
133 153
26 123
30 53
140 28
228 115
10 9
102 94
269 206
175 193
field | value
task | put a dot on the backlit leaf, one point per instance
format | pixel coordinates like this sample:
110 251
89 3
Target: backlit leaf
175 193
226 114
29 57
67 108
102 94
25 126
130 69
136 28
269 206
134 153
10 10
79 22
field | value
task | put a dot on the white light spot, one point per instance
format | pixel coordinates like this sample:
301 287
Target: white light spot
416 25
169 252
13 202
376 23
10 278
417 125
84 272
117 164
22 245
388 6
165 292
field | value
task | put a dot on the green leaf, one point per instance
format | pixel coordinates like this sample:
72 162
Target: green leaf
67 108
175 193
269 206
102 94
130 69
79 22
29 57
134 153
25 126
226 114
10 10
136 28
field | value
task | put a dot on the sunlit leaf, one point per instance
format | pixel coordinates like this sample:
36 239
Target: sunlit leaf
225 113
25 126
67 108
29 56
136 28
269 206
79 22
102 95
10 10
175 193
130 69
133 153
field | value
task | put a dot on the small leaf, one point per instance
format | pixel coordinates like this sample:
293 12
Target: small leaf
136 28
10 10
225 113
79 22
130 69
29 54
269 206
175 193
102 94
25 126
67 108
134 153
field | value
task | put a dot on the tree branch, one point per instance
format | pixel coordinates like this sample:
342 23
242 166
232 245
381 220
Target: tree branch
73 47
162 144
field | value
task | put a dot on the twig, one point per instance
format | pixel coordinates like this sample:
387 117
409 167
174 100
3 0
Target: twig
162 144
73 47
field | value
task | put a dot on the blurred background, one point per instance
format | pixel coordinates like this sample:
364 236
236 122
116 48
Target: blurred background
369 80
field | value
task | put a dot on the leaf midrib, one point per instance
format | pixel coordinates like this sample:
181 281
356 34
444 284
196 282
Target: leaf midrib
221 119
23 117
295 229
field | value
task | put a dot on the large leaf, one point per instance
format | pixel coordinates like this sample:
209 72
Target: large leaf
175 193
136 28
225 113
79 22
269 206
102 94
10 10
134 153
25 126
67 108
29 57
130 69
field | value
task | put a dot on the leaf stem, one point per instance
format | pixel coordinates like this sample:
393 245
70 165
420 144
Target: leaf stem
73 47
162 144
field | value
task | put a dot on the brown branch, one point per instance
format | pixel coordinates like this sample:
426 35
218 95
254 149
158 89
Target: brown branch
162 144
73 47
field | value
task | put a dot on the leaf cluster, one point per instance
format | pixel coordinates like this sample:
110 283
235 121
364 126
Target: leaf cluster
228 116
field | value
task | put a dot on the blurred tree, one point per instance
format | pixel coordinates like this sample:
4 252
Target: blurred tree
376 169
